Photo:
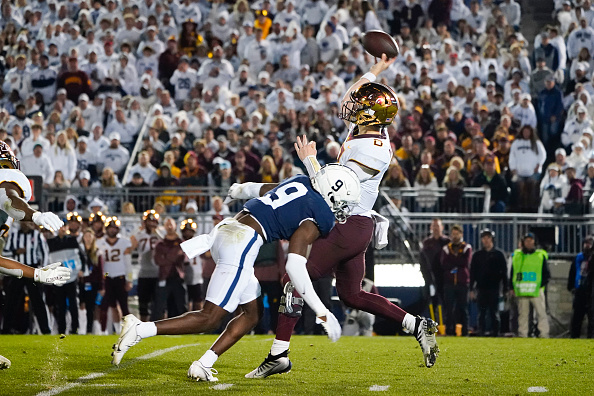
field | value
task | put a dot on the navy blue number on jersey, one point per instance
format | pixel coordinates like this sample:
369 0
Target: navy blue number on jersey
283 209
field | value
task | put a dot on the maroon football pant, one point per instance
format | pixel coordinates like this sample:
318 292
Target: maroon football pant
342 251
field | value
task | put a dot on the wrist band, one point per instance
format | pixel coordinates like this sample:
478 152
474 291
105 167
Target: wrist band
370 76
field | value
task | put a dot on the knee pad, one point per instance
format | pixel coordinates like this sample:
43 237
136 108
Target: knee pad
290 305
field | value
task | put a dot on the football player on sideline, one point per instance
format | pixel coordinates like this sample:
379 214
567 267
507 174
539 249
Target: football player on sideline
299 210
15 192
367 109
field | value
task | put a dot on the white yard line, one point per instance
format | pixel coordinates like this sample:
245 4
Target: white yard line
221 386
379 388
91 376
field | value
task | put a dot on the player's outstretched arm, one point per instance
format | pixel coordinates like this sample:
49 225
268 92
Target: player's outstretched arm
305 235
54 274
248 190
16 207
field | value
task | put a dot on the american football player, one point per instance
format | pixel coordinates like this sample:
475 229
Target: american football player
15 192
367 109
299 210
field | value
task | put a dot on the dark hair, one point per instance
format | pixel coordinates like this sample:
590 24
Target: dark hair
533 138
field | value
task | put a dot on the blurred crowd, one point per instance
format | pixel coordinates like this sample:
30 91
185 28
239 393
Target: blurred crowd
221 89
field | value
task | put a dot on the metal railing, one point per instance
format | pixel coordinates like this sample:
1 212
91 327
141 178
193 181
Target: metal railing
471 200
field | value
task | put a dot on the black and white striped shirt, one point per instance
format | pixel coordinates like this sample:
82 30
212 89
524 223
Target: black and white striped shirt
36 251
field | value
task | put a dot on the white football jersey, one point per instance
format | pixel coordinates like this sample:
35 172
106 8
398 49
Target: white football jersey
145 248
17 177
115 264
371 152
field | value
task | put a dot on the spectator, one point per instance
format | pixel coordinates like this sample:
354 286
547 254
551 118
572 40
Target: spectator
454 185
395 177
527 155
455 265
115 155
38 164
144 168
268 171
575 127
550 111
577 159
126 129
546 51
75 81
489 178
137 188
86 160
574 201
63 157
579 283
36 137
426 187
171 260
488 275
166 179
529 276
589 184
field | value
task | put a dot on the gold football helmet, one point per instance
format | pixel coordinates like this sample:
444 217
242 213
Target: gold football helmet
7 158
371 104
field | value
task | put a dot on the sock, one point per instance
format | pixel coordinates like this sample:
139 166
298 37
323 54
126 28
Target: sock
209 358
278 347
146 329
409 323
118 327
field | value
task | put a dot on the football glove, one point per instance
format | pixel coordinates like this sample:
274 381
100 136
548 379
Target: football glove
47 220
247 190
53 274
331 326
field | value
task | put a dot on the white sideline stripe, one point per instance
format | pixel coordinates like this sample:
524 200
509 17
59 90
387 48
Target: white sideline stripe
537 389
80 381
379 388
221 386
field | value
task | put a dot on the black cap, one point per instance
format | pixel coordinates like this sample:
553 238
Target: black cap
529 235
487 232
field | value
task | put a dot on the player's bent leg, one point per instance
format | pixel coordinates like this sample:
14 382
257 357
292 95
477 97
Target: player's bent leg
4 363
348 287
239 326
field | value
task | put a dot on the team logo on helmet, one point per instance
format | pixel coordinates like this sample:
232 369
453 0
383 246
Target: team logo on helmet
7 158
371 104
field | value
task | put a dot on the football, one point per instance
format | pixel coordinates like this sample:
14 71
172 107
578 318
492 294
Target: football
377 43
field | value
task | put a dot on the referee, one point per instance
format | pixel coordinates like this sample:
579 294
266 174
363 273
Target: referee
26 245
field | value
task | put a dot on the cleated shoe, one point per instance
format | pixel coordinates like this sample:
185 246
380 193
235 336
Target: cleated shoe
128 337
277 364
425 330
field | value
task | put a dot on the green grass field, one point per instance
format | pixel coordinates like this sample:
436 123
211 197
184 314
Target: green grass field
158 366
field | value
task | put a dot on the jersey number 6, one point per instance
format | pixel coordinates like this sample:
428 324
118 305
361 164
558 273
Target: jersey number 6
285 194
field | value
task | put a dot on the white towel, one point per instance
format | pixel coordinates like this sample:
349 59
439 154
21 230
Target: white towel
202 243
382 225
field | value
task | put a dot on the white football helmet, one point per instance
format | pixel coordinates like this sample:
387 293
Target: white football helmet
340 188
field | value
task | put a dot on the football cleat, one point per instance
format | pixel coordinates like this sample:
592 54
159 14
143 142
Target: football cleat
277 364
4 363
128 337
198 372
425 330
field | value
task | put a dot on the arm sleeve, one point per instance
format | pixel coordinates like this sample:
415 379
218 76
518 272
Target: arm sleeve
298 273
